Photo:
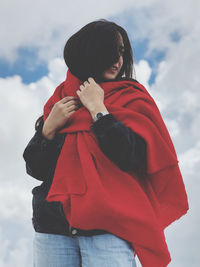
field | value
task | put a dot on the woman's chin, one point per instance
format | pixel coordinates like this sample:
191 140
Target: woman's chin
110 76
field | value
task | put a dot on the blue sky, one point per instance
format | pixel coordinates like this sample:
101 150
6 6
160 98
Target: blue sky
25 66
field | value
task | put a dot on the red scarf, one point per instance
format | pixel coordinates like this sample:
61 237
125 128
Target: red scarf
97 194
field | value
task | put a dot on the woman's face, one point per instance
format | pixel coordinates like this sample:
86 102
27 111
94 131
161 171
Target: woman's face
113 71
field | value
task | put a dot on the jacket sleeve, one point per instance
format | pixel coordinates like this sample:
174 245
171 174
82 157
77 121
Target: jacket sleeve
41 155
119 143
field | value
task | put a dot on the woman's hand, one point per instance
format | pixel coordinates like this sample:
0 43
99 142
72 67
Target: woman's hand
91 94
59 115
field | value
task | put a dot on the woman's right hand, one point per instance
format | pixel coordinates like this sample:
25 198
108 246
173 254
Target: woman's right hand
59 115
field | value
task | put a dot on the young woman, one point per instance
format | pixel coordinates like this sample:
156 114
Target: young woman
104 156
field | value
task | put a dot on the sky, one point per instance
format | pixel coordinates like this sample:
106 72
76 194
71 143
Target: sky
165 38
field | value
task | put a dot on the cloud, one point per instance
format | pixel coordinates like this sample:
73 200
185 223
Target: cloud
185 231
15 252
46 25
176 88
143 72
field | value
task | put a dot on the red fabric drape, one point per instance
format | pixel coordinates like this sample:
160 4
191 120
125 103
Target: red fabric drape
96 194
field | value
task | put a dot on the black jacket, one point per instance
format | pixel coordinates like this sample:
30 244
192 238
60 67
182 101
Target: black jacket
119 143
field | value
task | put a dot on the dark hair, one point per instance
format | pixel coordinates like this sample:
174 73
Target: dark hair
95 48
39 123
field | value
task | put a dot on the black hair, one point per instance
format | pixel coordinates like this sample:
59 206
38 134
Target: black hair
95 48
39 123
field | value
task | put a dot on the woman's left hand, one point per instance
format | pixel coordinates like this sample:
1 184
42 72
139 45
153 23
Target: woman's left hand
91 94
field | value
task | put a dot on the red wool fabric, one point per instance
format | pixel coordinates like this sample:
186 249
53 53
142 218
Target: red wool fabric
96 194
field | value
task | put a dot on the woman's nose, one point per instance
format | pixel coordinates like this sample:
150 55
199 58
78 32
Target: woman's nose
120 61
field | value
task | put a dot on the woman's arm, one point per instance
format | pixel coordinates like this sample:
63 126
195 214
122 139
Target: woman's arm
42 151
120 144
41 154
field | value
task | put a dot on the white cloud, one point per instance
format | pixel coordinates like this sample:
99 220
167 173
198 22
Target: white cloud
46 25
143 73
15 252
177 88
161 21
186 230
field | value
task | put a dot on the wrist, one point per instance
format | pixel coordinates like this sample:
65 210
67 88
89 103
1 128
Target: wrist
99 115
48 133
98 108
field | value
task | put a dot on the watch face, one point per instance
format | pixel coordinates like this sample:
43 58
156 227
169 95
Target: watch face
99 115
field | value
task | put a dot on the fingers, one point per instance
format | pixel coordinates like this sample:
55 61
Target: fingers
67 99
71 112
81 87
91 80
85 83
72 107
69 103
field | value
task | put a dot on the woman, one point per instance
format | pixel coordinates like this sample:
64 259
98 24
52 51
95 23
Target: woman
105 157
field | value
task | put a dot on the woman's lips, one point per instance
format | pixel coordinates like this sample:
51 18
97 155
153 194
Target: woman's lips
113 70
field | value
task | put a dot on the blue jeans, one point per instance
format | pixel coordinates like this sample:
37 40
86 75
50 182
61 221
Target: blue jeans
104 250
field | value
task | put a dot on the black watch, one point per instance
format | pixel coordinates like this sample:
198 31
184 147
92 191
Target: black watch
100 115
